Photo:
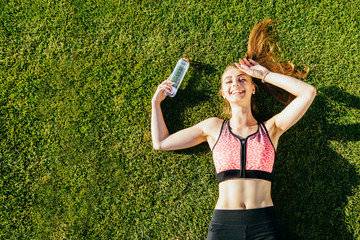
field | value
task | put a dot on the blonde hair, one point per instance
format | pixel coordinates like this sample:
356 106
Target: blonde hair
261 48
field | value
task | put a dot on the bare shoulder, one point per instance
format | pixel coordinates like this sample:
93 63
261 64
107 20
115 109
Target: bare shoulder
213 120
211 128
211 124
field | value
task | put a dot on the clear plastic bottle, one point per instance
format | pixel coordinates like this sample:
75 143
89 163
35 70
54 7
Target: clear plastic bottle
178 75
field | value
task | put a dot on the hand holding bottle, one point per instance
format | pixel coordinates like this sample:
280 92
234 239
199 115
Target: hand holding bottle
178 75
160 95
170 86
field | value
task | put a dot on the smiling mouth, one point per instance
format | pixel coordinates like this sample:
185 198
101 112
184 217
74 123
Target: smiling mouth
237 92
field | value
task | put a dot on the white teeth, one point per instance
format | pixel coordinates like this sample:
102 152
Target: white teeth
237 91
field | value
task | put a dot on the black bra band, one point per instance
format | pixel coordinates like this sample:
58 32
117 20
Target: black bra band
225 175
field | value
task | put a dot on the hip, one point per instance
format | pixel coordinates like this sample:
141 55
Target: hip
244 224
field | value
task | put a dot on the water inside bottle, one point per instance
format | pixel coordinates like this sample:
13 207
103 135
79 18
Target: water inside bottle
177 76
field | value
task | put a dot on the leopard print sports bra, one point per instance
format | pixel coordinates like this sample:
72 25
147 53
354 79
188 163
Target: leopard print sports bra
250 157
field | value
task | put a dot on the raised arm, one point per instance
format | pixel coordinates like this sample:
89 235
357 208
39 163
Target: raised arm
304 94
161 138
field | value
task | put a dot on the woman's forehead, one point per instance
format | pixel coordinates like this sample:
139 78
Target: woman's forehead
233 72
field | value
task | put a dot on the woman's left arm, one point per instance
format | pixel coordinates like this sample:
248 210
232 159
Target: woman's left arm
304 94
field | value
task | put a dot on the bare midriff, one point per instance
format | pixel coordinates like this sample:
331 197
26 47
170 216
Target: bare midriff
244 193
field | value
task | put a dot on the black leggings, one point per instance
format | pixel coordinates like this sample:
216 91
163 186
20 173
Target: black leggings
254 224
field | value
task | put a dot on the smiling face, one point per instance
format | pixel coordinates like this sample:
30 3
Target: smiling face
236 86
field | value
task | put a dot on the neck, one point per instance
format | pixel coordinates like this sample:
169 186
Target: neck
242 116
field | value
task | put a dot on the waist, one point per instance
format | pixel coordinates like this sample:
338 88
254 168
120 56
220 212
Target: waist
244 194
242 205
244 217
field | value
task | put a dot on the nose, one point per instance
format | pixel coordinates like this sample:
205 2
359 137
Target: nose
235 83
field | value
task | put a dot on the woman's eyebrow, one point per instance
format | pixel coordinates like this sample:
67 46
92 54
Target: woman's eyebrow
236 76
241 75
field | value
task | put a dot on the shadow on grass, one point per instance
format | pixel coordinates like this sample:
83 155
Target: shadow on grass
313 181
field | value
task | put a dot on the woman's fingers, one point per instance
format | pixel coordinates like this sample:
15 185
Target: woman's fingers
253 62
165 87
251 67
160 95
242 67
247 62
239 66
167 82
242 62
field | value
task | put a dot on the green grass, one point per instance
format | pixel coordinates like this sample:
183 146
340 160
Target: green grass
77 78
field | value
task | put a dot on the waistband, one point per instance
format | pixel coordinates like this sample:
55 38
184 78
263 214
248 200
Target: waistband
244 216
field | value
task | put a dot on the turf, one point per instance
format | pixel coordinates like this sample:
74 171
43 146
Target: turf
77 78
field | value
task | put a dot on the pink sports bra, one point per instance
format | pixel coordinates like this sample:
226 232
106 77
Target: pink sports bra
250 157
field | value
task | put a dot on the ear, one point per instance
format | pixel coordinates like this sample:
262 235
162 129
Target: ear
222 94
253 91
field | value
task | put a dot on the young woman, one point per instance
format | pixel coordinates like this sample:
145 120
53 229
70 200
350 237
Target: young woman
243 149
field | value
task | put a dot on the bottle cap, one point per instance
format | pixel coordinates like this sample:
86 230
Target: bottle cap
186 58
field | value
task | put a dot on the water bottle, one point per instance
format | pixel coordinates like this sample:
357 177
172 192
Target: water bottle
177 75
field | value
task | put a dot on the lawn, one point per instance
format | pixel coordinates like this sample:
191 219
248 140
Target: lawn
76 82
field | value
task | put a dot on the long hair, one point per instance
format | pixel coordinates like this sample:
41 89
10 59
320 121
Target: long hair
261 48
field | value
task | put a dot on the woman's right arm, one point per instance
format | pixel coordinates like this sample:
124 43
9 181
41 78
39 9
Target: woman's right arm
185 138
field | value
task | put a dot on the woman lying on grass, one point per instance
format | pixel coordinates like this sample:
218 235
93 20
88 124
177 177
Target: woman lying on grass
243 149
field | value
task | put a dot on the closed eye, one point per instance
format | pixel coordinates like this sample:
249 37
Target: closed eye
239 78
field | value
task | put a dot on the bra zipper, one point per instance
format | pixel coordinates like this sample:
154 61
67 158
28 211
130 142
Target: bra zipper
243 157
